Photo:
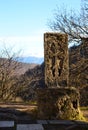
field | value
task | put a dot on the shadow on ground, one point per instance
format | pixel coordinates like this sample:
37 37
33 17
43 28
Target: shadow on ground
24 115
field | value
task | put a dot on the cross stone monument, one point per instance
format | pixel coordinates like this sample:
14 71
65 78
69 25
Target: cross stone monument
56 59
57 100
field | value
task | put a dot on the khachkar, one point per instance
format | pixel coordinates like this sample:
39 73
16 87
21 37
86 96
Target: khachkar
57 100
56 59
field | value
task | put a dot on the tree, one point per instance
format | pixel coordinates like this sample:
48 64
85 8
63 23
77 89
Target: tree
71 23
8 66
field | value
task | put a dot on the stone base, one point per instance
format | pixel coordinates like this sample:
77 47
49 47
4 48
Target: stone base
58 103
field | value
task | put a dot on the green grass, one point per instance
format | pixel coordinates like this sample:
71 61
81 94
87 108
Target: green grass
85 112
84 108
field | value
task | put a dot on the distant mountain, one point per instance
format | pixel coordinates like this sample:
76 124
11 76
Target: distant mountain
31 59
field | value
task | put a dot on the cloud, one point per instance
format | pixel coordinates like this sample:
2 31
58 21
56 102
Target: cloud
16 40
31 45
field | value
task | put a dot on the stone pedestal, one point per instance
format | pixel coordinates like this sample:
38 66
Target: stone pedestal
58 103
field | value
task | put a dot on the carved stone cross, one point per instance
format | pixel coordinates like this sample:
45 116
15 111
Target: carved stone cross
57 100
56 59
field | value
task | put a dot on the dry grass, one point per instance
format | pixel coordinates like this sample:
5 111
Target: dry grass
85 112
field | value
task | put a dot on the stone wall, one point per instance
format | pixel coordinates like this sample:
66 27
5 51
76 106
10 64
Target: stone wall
56 59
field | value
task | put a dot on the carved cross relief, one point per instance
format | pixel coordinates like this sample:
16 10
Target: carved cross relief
54 59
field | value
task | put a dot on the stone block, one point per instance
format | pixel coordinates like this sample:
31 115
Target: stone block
30 127
6 123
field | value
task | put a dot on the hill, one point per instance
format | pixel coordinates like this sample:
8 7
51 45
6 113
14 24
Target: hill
24 67
78 72
29 82
10 73
20 67
78 61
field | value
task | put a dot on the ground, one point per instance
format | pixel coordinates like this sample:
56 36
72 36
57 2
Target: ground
23 113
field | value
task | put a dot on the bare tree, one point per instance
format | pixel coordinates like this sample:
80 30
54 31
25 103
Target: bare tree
8 65
71 23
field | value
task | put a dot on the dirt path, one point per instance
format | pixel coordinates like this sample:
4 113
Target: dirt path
20 107
17 112
27 108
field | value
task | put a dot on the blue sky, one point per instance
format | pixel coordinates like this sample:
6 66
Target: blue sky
23 22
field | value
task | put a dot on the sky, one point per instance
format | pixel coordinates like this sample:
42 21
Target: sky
24 22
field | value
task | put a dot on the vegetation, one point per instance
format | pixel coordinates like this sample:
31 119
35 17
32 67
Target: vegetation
8 66
71 23
29 82
84 108
78 75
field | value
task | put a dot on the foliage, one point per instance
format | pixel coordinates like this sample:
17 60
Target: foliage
29 82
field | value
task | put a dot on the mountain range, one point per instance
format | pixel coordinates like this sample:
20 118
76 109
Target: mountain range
31 59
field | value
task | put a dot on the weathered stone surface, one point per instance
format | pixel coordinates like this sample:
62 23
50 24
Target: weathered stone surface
58 103
56 59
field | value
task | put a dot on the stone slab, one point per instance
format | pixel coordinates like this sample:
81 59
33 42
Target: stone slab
81 122
42 122
30 127
6 124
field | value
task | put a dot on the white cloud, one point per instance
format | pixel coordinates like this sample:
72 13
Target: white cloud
31 45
